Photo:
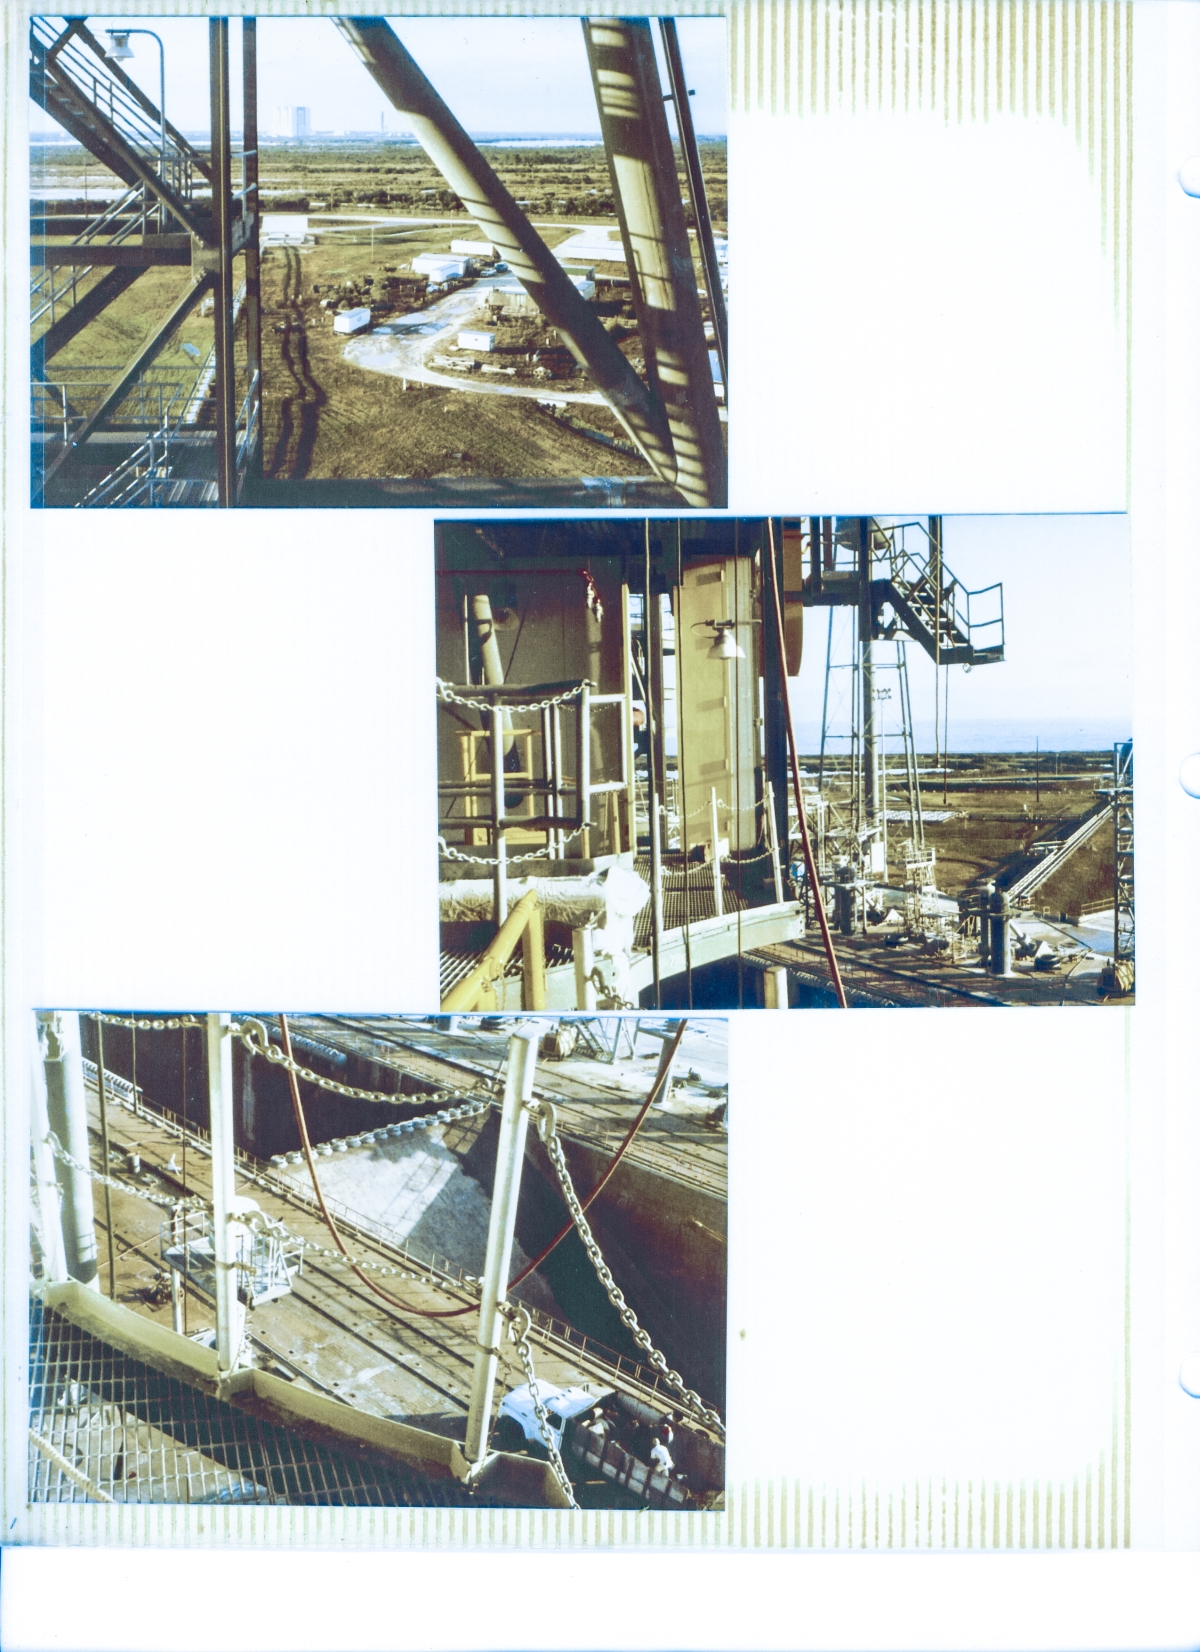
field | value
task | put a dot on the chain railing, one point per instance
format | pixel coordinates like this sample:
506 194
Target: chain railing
451 696
652 1377
518 1332
448 853
547 1130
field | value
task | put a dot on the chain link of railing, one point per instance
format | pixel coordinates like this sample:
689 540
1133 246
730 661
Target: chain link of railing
447 693
548 1131
518 1331
509 860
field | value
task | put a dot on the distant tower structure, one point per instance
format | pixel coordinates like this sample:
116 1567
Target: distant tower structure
1119 977
294 120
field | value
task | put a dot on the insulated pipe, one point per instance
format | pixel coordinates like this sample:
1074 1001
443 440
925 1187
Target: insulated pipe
219 1049
658 251
503 223
54 1253
485 635
510 1154
66 1108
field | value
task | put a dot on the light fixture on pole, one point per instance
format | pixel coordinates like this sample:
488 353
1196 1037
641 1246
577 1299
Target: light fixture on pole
725 645
121 52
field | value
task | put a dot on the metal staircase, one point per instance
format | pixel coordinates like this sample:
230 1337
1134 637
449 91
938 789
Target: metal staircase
179 208
894 574
90 96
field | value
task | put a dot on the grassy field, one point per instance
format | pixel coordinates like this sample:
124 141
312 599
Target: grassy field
325 416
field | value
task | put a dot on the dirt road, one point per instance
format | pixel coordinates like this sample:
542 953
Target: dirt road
401 348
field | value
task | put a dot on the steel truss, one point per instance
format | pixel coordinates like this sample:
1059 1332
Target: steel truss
163 220
107 436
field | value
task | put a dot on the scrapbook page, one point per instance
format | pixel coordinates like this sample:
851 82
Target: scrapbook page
553 556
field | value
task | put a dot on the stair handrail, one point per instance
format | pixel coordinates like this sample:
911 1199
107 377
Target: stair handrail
128 109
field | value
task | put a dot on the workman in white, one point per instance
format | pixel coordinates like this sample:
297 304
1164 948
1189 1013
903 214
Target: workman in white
660 1456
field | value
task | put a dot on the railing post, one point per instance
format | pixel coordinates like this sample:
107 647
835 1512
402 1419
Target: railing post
773 839
178 1239
220 1103
500 870
583 943
583 769
510 1154
547 721
533 961
718 886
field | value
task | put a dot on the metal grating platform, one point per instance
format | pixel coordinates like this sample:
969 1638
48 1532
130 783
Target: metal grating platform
106 1428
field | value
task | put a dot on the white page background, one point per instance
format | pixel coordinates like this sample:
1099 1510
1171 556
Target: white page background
310 644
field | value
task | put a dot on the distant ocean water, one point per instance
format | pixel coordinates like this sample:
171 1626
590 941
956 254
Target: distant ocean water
995 735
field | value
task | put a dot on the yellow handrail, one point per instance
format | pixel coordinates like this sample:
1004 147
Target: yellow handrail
523 924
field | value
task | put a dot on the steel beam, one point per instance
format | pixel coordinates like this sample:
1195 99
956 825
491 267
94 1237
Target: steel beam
699 194
127 379
222 197
658 253
140 255
501 220
710 940
93 303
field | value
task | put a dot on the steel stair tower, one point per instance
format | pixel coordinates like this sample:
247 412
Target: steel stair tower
893 575
179 209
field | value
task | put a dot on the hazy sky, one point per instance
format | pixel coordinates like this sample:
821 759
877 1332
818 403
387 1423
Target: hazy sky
496 73
1068 636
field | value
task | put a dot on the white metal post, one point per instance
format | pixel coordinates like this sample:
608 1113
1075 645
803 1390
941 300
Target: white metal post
500 869
178 1239
66 1106
773 839
510 1153
50 1236
583 945
718 888
775 984
220 1125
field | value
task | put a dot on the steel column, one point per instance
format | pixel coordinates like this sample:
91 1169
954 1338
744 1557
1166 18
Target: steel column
222 195
510 1155
695 178
506 226
870 708
251 207
775 687
658 252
